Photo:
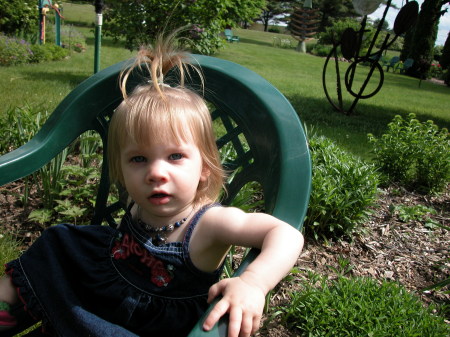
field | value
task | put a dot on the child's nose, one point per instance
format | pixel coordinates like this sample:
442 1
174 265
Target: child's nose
157 171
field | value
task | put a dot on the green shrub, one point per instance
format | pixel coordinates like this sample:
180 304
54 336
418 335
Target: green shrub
413 154
13 51
359 307
446 76
333 34
57 52
18 15
40 53
343 189
274 30
321 50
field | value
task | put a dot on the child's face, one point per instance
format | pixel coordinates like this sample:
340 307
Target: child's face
162 178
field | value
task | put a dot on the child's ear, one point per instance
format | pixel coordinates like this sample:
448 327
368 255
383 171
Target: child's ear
206 172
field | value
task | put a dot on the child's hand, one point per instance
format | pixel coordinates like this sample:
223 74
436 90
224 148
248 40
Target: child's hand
242 300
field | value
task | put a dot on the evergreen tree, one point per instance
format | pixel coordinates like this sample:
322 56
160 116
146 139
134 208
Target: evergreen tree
277 7
420 44
408 42
445 58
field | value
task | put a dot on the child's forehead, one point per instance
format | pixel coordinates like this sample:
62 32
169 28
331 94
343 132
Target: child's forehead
168 140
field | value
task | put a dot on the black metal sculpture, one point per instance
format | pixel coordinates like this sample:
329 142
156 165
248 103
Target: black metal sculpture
350 45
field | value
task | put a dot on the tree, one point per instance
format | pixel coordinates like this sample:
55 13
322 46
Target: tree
18 16
419 42
333 10
243 11
445 58
140 21
274 8
384 26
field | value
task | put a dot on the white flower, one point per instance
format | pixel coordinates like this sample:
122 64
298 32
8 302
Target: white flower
365 7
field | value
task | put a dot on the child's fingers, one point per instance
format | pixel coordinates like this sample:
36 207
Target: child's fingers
214 291
235 322
220 309
246 328
256 323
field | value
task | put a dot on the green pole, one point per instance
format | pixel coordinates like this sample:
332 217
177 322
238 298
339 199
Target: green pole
41 22
98 42
57 29
98 4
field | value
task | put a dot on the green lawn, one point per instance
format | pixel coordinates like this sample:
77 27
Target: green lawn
297 75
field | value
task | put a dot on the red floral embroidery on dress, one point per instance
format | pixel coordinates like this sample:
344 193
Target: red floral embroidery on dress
126 246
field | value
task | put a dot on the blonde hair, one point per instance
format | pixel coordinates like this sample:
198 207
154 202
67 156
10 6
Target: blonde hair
156 112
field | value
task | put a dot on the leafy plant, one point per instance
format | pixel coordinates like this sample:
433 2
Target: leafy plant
14 51
50 176
414 154
343 189
19 125
89 143
41 216
72 195
17 15
359 307
413 213
9 248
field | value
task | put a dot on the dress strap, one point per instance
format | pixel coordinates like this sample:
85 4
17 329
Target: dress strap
193 223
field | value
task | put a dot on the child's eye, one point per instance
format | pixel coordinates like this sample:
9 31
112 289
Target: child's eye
138 159
175 156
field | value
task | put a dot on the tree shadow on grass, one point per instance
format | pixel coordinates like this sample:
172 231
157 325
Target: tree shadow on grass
106 42
251 41
320 117
66 77
418 86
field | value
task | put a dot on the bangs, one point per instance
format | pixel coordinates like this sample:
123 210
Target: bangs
150 119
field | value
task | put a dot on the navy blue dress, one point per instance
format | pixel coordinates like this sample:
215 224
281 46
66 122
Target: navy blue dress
101 281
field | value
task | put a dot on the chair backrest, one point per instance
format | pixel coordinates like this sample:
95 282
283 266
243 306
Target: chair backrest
394 60
408 63
257 127
268 141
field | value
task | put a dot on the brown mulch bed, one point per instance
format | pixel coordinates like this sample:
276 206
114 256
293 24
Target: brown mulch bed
410 253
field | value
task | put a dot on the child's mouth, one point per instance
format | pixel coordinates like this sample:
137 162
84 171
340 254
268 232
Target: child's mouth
159 198
159 195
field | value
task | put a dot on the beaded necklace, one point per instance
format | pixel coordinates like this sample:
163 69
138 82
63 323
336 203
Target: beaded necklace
159 234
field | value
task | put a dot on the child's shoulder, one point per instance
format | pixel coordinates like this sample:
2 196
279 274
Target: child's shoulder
223 214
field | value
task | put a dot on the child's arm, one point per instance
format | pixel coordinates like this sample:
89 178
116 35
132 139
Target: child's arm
243 296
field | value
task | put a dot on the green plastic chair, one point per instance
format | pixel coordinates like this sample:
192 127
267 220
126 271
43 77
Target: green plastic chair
259 127
392 63
403 67
230 37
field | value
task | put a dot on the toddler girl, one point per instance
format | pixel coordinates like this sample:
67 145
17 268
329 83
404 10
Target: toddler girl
156 273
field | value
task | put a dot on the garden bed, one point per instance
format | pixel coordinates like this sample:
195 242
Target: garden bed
410 253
